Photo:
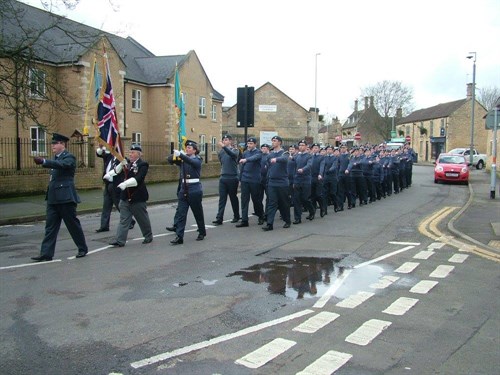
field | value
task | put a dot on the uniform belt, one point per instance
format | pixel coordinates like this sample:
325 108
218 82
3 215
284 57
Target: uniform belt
192 180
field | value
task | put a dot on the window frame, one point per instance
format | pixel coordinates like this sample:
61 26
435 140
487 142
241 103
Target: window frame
37 83
214 144
137 138
202 106
39 142
201 143
213 112
136 100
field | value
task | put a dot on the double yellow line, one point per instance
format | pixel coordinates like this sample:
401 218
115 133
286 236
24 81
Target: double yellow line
429 227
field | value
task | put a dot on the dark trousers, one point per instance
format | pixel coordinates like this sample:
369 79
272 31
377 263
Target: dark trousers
193 201
330 187
278 199
110 198
377 183
55 214
301 198
370 187
395 181
344 191
388 183
128 210
228 187
317 195
251 190
359 185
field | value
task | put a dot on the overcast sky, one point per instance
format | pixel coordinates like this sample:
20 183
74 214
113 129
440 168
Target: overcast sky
423 43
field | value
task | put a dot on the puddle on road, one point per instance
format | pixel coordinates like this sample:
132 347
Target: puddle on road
308 277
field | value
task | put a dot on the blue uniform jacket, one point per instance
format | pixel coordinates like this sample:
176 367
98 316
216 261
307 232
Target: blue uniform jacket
190 168
138 170
277 174
303 161
61 187
250 171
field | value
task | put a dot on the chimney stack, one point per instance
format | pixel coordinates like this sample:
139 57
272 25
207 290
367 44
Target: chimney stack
356 105
399 113
371 101
366 103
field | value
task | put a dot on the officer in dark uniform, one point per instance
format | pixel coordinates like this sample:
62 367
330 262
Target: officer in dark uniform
265 149
356 173
250 183
367 167
62 200
317 173
302 183
190 194
344 187
395 170
133 197
331 181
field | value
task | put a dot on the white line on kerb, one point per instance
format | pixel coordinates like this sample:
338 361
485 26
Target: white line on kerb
384 256
29 264
404 243
217 340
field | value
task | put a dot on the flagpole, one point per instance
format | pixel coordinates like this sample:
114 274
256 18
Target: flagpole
85 123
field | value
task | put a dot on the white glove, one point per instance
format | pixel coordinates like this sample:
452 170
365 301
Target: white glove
108 177
177 153
124 162
131 182
99 151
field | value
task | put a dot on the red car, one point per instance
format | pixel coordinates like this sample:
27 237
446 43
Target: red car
451 167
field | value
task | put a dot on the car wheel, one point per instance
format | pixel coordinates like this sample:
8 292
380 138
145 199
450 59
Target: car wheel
480 164
436 180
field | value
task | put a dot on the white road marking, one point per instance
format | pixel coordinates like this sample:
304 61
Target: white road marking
368 332
407 267
384 282
30 264
355 300
442 271
458 258
331 291
384 257
435 245
327 364
316 322
425 254
405 243
423 287
265 353
217 340
401 306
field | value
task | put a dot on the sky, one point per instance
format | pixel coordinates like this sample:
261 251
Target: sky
318 52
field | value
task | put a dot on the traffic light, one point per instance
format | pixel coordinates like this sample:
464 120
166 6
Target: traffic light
245 107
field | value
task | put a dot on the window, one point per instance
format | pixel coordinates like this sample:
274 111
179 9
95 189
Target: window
213 113
136 138
202 143
202 103
136 100
38 145
37 83
214 144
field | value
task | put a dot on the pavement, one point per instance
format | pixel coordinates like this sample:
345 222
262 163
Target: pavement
478 222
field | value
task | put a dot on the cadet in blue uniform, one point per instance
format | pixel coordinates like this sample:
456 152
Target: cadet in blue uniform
330 181
133 197
302 183
277 184
62 199
317 173
356 173
250 183
228 181
190 194
344 186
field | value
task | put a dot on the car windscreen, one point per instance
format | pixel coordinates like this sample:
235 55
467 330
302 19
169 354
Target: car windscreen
451 160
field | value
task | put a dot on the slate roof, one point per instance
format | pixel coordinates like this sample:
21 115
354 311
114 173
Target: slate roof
438 111
60 41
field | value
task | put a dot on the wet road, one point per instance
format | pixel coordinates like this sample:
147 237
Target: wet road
360 291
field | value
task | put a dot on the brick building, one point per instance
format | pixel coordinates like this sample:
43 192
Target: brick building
367 123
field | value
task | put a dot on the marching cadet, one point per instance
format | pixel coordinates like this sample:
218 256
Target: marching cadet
265 149
190 194
386 167
356 173
402 169
317 172
378 177
330 181
395 170
302 183
133 196
228 181
250 183
291 166
367 167
277 184
344 186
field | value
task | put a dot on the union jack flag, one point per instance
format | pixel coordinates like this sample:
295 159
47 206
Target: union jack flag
106 115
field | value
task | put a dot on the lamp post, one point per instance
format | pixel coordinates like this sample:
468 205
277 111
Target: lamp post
316 89
472 55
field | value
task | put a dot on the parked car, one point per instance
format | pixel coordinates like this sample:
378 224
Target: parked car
451 167
478 160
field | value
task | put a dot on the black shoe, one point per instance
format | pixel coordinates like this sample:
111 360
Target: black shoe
81 254
200 237
217 222
310 217
116 244
171 229
242 224
297 222
235 220
177 241
41 258
102 230
287 225
132 224
267 228
261 221
148 240
340 209
322 213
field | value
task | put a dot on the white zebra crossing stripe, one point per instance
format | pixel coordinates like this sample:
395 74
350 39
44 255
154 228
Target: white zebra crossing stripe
368 332
458 258
355 300
442 271
407 267
436 245
384 282
401 306
327 364
316 322
425 254
423 287
265 353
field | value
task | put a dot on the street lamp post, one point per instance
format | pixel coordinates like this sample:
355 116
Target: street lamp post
472 55
316 90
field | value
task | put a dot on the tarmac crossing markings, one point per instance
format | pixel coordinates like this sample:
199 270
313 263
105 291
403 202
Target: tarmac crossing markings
316 322
384 282
407 267
458 258
423 286
265 353
424 254
401 306
368 332
355 300
442 271
327 364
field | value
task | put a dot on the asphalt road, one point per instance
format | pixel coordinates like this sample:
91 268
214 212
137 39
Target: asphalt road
363 291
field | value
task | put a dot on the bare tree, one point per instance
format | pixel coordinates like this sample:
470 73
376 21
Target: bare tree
488 96
388 97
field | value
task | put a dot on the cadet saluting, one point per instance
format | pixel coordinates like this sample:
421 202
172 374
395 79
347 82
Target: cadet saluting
190 193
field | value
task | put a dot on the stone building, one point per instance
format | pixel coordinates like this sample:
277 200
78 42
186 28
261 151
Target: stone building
365 124
445 126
